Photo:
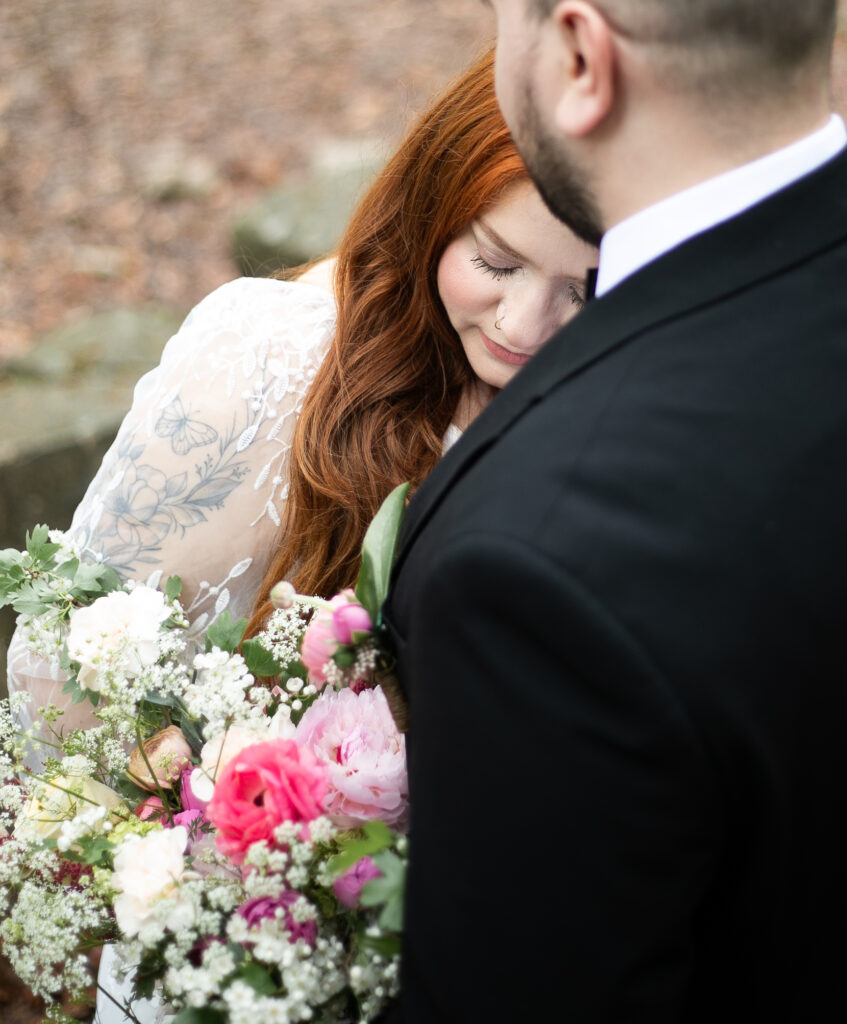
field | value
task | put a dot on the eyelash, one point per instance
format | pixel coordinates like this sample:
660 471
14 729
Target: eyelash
498 273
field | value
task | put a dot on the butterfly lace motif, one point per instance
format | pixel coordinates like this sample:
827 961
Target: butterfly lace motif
203 451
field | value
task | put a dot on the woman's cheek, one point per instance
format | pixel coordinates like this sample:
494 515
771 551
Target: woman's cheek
461 286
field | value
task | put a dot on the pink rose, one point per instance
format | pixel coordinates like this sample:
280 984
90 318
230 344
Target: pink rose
329 629
167 753
263 786
348 887
354 735
152 807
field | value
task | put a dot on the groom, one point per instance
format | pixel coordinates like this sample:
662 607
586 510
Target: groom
620 604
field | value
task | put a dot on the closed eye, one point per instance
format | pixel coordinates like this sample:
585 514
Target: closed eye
496 272
575 297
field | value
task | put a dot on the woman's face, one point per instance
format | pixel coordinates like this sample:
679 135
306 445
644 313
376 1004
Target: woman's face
518 267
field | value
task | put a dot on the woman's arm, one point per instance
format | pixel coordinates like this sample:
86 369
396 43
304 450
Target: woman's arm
195 481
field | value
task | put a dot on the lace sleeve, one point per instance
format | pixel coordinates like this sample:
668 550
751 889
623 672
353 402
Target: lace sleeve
194 482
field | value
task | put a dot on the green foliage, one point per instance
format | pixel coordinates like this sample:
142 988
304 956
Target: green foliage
370 839
225 633
385 945
193 1015
173 588
258 978
31 581
345 657
79 693
259 659
378 552
38 545
387 891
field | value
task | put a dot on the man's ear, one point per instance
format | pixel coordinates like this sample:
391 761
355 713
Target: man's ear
587 65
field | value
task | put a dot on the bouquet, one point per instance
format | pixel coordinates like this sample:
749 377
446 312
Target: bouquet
232 818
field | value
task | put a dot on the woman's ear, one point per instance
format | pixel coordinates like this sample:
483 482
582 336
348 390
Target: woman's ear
587 57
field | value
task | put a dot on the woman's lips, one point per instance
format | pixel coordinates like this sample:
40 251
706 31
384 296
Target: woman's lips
512 358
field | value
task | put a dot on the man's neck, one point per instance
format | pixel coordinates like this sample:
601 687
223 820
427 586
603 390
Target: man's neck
671 157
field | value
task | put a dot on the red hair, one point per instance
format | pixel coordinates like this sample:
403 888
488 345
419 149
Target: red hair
377 411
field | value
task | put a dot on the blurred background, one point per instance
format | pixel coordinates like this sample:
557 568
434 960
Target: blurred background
132 133
151 150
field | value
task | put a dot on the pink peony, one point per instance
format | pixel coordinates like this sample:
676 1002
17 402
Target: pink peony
365 756
263 786
348 887
329 629
256 910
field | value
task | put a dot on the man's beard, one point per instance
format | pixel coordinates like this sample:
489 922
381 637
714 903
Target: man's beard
559 181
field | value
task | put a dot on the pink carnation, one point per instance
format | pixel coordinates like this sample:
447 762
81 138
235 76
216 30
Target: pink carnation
354 735
260 788
329 629
256 910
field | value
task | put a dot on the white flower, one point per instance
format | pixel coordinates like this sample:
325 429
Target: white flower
59 800
146 869
120 630
220 750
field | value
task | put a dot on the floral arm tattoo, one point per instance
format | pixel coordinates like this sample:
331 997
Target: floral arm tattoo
143 506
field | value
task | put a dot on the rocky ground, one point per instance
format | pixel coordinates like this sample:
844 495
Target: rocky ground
131 133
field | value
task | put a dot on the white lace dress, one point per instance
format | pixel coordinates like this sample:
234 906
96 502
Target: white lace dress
195 481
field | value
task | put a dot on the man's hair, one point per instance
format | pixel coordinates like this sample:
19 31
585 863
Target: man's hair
756 42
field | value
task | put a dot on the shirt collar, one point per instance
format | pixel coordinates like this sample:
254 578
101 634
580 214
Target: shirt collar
650 233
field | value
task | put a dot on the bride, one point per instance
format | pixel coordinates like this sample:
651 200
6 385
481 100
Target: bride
283 412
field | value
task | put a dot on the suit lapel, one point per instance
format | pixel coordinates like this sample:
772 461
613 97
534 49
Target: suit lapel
791 227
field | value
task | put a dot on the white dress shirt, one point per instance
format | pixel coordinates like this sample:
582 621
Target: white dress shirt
650 233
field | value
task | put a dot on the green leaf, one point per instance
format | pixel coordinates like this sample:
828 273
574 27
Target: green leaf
257 978
89 578
173 588
38 544
225 633
385 945
259 660
68 569
378 552
193 1015
109 580
388 890
34 597
10 557
344 657
374 836
98 853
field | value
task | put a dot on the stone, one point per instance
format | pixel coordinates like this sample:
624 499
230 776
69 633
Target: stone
60 407
169 173
304 219
122 342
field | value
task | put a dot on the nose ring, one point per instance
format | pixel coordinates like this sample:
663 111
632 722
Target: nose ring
498 323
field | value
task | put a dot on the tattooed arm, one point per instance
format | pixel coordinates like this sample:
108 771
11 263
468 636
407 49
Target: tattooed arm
194 482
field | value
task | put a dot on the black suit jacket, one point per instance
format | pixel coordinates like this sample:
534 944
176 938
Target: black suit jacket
620 614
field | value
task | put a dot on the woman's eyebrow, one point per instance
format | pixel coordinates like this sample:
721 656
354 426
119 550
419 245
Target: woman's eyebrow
501 242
